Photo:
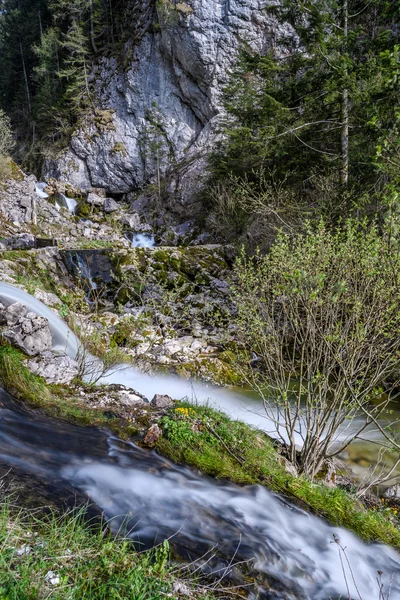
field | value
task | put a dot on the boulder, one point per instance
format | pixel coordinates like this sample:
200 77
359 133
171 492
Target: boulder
48 298
30 333
54 368
128 397
13 313
152 436
110 205
95 200
132 221
161 401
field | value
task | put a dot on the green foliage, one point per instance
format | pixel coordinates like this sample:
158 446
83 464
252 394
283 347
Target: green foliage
321 310
90 564
6 136
285 111
83 209
55 401
48 49
211 442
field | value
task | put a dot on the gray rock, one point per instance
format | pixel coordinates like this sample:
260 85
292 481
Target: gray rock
161 401
20 241
392 492
3 317
129 397
48 298
14 313
110 205
132 221
54 368
95 200
31 334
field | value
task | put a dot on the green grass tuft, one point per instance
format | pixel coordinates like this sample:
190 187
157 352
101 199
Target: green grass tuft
89 563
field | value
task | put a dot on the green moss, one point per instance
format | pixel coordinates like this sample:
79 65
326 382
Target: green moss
83 209
119 148
210 441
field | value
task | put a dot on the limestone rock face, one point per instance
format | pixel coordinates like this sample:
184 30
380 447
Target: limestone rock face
60 369
165 107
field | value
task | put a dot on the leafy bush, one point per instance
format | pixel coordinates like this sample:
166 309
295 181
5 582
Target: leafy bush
321 311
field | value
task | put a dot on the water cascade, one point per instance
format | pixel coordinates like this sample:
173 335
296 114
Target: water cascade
69 203
154 499
39 189
142 240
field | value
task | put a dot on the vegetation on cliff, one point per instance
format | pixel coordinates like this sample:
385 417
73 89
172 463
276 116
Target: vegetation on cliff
311 129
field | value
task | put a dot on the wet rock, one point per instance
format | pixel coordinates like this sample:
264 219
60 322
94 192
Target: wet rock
54 368
31 334
161 401
152 436
110 205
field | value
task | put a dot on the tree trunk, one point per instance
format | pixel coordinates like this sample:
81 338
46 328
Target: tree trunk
27 92
344 170
92 34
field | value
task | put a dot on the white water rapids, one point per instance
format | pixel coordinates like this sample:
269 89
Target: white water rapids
156 499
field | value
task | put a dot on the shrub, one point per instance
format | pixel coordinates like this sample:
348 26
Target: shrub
321 311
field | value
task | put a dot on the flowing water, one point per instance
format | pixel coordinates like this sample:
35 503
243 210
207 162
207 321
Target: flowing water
153 499
142 240
39 189
61 199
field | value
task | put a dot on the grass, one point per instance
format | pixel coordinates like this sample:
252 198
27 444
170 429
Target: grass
88 562
211 442
54 400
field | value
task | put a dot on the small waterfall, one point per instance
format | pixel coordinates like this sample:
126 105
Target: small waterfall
69 203
142 240
61 199
39 189
64 340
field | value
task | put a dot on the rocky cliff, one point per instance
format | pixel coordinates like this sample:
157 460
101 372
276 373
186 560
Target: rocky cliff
158 113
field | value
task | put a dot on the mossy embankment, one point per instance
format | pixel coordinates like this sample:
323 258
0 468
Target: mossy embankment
63 557
56 401
209 441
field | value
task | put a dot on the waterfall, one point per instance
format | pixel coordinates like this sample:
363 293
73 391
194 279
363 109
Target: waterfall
141 240
69 203
39 189
292 552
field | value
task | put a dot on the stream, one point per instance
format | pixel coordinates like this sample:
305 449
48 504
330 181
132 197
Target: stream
292 553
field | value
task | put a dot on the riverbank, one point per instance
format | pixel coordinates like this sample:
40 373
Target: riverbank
208 440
